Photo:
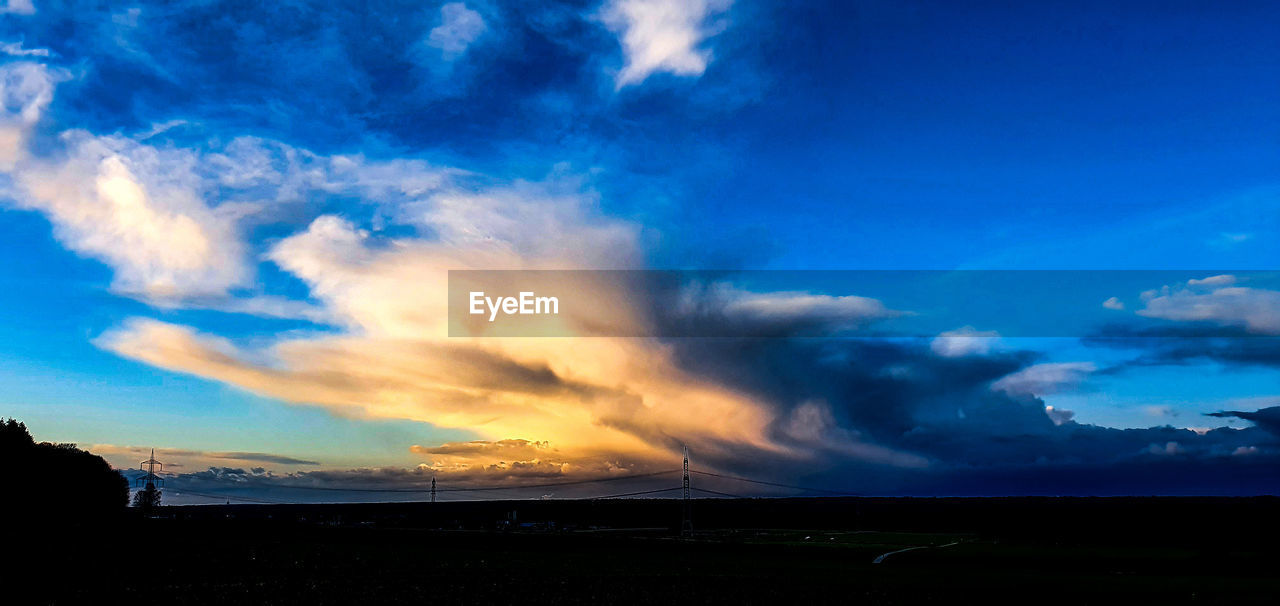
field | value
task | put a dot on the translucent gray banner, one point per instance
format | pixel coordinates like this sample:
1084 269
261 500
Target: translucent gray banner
863 303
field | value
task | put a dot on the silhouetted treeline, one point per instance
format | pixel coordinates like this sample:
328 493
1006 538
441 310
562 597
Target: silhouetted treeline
56 482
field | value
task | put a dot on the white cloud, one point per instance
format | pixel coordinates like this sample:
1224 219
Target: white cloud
137 208
620 396
150 212
1059 415
18 7
1217 300
1113 303
140 210
965 341
26 89
459 27
1212 281
1043 379
784 306
605 399
662 35
15 49
780 310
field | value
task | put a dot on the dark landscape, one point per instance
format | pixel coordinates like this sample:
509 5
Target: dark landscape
1046 550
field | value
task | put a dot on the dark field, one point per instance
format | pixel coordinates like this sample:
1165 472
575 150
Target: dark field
1079 551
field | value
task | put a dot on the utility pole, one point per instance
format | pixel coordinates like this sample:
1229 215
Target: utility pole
686 522
433 488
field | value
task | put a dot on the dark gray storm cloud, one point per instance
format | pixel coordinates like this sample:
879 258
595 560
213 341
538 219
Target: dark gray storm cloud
262 457
901 395
1183 344
1265 418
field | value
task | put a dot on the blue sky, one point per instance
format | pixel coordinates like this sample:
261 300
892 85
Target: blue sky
214 212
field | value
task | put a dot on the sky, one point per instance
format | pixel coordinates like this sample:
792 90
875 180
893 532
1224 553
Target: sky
228 228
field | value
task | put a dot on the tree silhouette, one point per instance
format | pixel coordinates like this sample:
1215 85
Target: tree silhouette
147 499
76 485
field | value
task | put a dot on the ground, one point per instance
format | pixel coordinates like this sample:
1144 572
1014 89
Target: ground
208 558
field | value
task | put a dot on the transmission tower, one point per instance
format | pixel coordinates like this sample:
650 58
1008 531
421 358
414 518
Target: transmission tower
148 498
433 488
151 479
686 522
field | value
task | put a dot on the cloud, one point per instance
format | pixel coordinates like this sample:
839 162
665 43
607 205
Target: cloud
662 35
515 448
263 457
364 245
601 397
399 483
18 7
836 311
1265 418
170 220
1044 379
1168 449
459 27
721 309
127 457
15 49
1218 301
1212 281
813 425
460 459
1183 345
139 209
1059 415
26 89
1113 303
965 341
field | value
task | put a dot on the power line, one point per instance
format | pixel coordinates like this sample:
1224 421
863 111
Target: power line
723 494
635 494
227 496
472 489
181 491
792 486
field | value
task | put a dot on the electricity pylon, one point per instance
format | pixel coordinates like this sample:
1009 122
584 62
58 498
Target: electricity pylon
149 497
686 522
151 478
